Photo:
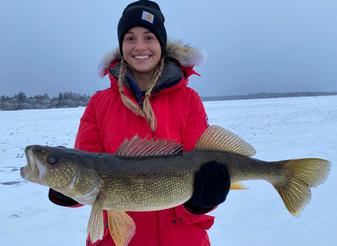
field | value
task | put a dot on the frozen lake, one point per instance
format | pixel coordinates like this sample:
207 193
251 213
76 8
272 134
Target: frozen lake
282 128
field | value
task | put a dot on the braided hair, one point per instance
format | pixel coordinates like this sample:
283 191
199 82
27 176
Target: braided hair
146 111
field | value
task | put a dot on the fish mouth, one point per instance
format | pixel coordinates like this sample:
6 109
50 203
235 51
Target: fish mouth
34 171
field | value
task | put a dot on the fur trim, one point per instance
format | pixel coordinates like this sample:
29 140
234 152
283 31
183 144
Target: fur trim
187 56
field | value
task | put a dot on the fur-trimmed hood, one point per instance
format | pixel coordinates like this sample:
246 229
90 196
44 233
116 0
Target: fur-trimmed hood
185 54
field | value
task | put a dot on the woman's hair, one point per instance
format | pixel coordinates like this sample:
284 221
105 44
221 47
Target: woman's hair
146 111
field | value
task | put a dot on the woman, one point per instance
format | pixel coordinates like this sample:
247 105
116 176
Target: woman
149 97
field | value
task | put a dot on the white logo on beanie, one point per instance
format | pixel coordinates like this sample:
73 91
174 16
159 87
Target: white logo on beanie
147 17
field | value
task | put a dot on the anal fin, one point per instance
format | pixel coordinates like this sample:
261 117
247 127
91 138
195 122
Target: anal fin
238 186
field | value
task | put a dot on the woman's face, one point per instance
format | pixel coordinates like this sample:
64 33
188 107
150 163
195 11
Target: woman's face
141 50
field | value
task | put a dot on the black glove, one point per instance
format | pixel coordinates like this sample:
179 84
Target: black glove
211 186
60 199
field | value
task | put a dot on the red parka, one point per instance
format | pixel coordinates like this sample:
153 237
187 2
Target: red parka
181 117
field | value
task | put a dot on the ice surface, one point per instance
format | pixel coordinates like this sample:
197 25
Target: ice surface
280 128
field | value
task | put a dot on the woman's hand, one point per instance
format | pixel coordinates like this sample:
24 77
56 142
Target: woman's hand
211 186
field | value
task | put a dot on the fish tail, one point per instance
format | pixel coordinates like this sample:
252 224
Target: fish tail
302 175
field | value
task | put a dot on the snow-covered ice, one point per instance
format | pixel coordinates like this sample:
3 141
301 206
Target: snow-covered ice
282 128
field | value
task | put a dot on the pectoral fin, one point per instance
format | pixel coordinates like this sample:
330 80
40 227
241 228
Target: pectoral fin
96 224
121 226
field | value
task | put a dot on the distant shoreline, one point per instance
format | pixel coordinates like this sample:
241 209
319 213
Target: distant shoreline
267 95
71 100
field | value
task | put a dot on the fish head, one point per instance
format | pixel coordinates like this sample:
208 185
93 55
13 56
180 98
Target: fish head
61 169
48 166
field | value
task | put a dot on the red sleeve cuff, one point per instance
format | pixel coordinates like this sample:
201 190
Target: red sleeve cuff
202 220
62 200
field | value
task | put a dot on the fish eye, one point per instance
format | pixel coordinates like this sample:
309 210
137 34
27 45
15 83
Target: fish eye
52 160
42 151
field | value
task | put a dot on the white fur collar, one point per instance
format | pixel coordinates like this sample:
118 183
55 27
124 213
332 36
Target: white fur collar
185 54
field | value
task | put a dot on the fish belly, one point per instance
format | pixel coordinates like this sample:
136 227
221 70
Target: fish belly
147 193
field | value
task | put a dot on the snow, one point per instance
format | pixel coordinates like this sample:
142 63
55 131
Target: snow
282 128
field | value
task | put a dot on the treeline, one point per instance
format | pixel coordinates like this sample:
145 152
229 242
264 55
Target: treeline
268 95
63 100
71 99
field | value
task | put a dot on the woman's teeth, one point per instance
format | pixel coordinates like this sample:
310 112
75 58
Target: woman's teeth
142 57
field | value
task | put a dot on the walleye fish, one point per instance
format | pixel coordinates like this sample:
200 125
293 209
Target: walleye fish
148 175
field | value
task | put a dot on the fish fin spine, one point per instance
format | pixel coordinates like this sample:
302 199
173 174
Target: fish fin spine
137 146
303 174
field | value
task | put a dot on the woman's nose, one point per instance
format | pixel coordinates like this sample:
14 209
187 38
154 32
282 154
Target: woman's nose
140 45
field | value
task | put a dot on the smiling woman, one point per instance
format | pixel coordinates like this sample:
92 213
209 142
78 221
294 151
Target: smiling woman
149 97
142 51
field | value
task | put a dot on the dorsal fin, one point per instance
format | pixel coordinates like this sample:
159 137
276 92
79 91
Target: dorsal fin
218 138
137 146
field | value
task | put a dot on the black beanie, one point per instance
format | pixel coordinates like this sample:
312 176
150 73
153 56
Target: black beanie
146 14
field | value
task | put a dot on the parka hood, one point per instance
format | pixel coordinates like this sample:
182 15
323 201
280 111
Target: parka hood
185 54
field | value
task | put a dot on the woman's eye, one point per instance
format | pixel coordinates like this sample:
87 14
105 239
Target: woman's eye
52 160
149 38
129 38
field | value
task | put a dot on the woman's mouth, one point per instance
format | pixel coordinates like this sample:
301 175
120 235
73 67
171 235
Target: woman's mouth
141 57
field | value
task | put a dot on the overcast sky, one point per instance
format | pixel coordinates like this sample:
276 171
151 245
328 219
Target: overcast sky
252 45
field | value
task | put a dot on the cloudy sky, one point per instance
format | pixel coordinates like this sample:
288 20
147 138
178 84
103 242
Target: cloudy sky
252 45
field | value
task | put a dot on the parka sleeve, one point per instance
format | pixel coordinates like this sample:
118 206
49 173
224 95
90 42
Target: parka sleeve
88 137
195 126
196 122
